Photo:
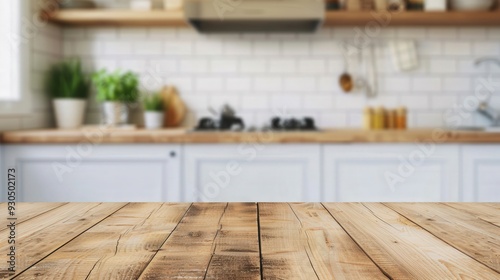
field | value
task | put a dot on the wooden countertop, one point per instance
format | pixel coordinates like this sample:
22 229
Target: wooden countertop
96 135
255 241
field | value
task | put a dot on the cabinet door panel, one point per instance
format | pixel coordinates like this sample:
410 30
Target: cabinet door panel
372 173
105 173
274 173
481 173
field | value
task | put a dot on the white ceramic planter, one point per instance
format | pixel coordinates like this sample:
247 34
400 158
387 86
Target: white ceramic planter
153 120
115 113
69 112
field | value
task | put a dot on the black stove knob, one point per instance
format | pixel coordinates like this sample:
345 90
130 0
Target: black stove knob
276 123
308 124
291 124
206 124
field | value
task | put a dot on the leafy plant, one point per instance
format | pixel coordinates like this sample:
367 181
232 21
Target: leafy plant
153 103
116 86
67 80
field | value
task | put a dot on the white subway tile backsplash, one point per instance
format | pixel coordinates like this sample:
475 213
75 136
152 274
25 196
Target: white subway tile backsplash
493 33
299 84
253 65
74 33
237 48
255 102
325 47
430 48
419 101
426 84
443 102
282 66
411 33
134 65
132 33
102 33
355 102
238 84
158 33
429 119
210 48
117 48
257 73
148 47
472 33
395 84
320 102
209 84
442 33
223 66
288 101
457 48
333 120
268 84
266 47
443 66
193 66
455 84
178 48
312 66
296 47
486 48
87 48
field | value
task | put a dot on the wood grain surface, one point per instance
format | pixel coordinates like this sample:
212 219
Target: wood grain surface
255 241
104 134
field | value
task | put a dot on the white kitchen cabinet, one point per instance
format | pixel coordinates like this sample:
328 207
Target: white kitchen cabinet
481 173
252 172
96 173
390 172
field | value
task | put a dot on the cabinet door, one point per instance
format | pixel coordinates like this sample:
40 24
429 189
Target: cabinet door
248 172
96 173
481 173
398 172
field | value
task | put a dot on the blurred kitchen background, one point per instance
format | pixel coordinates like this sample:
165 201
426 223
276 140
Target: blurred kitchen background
260 73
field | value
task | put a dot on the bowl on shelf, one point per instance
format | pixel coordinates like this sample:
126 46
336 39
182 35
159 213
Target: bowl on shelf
471 5
77 4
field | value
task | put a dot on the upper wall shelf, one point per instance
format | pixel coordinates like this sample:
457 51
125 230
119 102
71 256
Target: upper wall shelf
117 18
333 18
342 18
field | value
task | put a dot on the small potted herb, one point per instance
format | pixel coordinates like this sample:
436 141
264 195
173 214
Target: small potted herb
116 91
153 111
69 88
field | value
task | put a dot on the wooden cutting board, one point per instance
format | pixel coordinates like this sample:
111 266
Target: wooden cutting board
176 109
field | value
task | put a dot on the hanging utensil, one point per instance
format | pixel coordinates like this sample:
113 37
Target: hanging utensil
346 81
372 75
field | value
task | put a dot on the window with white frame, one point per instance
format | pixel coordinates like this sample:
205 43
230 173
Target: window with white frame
10 51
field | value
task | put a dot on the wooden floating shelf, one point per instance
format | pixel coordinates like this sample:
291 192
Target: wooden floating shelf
332 18
118 18
343 18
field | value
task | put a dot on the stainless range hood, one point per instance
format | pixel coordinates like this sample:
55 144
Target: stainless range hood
226 16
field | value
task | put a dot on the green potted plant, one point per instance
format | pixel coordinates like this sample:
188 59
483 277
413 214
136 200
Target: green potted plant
154 110
69 88
116 91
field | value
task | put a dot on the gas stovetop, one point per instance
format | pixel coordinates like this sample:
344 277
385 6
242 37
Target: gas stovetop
235 124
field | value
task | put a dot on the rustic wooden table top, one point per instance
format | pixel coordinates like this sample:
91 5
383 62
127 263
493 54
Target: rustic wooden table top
254 241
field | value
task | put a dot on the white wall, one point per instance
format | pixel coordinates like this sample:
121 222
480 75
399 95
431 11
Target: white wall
260 73
46 48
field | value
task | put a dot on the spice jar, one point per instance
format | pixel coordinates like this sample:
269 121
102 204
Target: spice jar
390 119
401 118
368 118
378 118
